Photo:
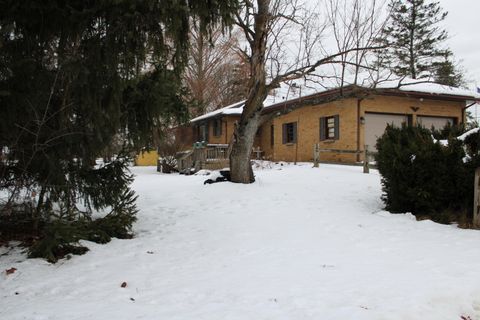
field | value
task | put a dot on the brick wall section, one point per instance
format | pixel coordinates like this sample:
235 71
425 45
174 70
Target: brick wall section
265 140
227 130
308 125
308 132
228 125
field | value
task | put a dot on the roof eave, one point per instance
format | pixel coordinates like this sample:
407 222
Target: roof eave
426 95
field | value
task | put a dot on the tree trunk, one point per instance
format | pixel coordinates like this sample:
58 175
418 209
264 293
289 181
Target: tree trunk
413 71
244 135
38 210
240 167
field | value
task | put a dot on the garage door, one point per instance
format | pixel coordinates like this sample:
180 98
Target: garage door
375 124
436 122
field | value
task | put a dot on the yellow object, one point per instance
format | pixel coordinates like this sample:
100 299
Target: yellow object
147 158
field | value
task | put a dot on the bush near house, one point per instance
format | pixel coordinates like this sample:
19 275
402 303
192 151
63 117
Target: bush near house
428 178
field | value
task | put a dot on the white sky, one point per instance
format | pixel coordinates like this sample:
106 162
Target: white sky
462 26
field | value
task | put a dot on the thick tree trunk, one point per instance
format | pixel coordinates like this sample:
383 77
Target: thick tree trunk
240 166
244 135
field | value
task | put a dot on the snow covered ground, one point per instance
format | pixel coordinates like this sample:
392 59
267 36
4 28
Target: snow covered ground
301 243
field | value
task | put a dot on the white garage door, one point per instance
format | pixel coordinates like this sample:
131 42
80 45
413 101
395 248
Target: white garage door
436 122
375 124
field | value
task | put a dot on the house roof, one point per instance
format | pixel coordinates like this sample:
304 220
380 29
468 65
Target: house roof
290 95
235 108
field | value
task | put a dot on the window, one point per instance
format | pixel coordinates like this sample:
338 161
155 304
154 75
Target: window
202 132
289 132
217 127
329 128
272 136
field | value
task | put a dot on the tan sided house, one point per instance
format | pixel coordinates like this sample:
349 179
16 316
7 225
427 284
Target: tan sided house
343 121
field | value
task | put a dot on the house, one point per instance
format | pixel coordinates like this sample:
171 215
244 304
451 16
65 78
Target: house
343 121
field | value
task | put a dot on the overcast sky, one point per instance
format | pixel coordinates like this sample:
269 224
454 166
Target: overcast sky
462 26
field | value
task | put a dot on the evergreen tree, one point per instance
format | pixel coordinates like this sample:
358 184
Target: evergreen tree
74 75
447 73
413 38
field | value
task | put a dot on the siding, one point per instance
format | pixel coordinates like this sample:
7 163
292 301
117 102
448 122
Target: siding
351 131
147 158
308 125
227 130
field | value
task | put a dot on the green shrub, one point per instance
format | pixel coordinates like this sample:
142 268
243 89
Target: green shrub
424 177
104 189
61 237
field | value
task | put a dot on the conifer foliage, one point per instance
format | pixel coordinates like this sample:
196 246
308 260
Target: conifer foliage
413 38
425 177
73 76
447 72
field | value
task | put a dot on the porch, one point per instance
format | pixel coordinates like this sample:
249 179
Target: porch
209 157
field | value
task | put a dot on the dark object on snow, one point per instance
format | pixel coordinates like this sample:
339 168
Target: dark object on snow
123 285
10 271
226 174
225 177
187 171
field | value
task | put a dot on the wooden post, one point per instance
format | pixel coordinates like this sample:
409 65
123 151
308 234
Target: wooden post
316 155
476 200
366 168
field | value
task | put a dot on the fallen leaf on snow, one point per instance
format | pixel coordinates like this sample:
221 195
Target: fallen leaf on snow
10 271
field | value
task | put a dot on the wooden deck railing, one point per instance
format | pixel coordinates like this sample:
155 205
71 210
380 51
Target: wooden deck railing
209 156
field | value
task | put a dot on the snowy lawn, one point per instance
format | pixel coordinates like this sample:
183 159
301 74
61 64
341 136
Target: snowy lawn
301 243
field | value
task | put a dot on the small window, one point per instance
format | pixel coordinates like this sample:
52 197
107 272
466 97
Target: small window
329 128
202 132
290 132
217 127
272 135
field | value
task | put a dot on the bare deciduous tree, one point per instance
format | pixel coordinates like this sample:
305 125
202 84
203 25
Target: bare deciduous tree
284 43
215 71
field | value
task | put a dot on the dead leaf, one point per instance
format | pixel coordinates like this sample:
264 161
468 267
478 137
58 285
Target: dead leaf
10 271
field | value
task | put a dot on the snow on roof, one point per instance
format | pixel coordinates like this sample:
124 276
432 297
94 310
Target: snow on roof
423 86
305 88
235 108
